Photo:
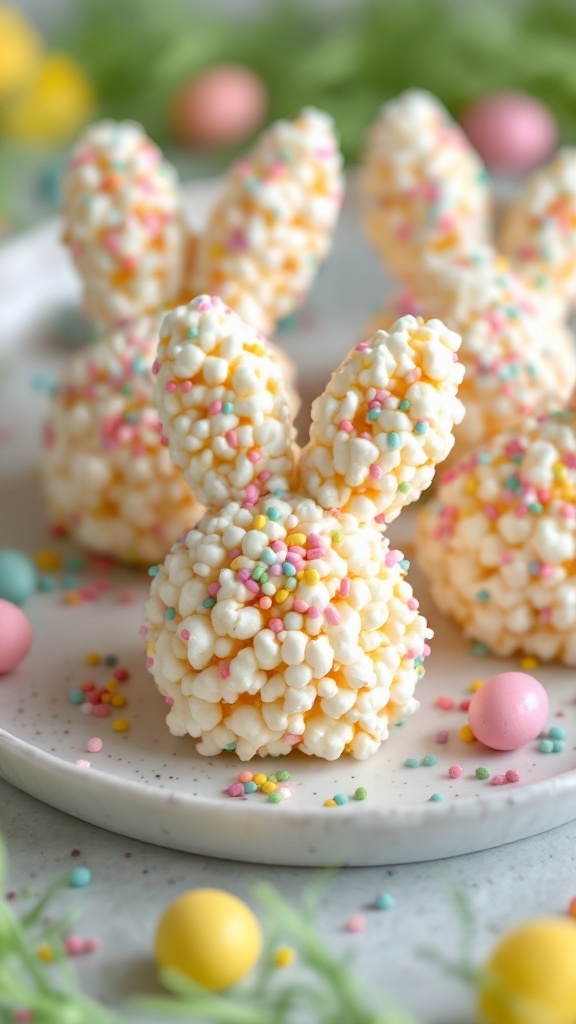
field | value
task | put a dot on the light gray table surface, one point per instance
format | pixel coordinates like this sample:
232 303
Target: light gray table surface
133 882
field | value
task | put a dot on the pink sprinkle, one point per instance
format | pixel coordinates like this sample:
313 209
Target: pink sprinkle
376 471
204 305
380 519
464 705
356 923
264 476
445 703
234 554
346 426
276 625
392 557
170 385
512 776
497 780
169 701
73 945
332 615
426 651
186 386
214 588
252 492
455 771
242 575
314 611
94 746
314 540
507 558
101 710
245 777
265 602
275 570
291 739
442 736
224 669
121 674
214 408
236 789
149 661
254 455
345 587
82 763
546 570
278 545
300 606
362 346
232 438
313 553
91 945
412 604
252 586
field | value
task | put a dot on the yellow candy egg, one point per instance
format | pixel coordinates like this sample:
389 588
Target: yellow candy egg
19 50
209 935
55 104
531 975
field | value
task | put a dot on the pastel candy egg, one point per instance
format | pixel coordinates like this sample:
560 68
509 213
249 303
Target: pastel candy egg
15 636
531 975
512 131
209 935
18 576
220 107
508 711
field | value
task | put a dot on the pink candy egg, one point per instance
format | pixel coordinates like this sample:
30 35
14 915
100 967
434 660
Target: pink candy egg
220 107
511 130
15 636
508 711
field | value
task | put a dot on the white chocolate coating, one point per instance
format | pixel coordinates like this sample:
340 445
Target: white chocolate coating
222 404
272 227
123 222
498 541
385 421
106 475
260 668
424 187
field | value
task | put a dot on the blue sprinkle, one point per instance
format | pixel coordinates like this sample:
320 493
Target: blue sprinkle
79 877
288 569
412 762
230 746
436 798
77 696
483 596
193 332
153 570
546 746
557 733
558 746
393 440
373 414
70 582
404 564
110 660
421 427
208 602
268 556
46 584
250 787
480 650
228 408
429 760
384 901
274 514
340 799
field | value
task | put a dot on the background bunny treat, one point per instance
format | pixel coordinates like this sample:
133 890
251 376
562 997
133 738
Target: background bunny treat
283 618
498 541
425 198
106 474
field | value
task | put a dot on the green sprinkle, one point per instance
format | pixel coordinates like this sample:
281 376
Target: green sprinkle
373 414
483 596
535 508
153 570
404 564
404 405
482 773
557 733
421 427
170 613
360 793
46 584
230 746
193 332
77 696
274 514
112 660
404 487
436 798
75 563
258 572
337 537
558 746
412 762
274 798
429 760
384 901
208 602
80 877
340 799
484 458
264 578
227 408
272 778
480 650
250 787
291 583
393 440
400 723
546 746
283 776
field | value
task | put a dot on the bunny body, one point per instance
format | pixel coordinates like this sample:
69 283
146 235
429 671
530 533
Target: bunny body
105 472
283 618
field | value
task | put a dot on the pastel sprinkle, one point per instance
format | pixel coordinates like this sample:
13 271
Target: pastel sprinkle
80 877
361 793
546 746
356 923
498 780
429 760
436 798
384 901
482 773
412 762
512 776
466 734
94 745
445 703
340 799
455 771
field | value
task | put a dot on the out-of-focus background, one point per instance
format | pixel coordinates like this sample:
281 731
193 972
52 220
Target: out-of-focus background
204 75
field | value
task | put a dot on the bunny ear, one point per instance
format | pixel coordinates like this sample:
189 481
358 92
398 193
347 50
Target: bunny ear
539 229
424 187
273 225
385 421
123 222
222 405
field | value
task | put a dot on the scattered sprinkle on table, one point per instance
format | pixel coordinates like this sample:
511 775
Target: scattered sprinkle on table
94 745
436 798
445 703
498 780
512 775
429 760
81 762
467 735
356 923
361 793
412 762
340 799
80 877
384 901
455 771
482 773
442 736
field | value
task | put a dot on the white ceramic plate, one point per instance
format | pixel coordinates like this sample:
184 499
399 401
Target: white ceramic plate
146 784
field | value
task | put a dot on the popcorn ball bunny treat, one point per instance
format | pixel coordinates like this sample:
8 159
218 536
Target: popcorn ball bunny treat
107 476
427 211
283 618
498 541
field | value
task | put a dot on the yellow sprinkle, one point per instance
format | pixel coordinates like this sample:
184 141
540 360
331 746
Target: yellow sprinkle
300 574
118 700
529 662
330 803
284 956
269 787
45 953
467 735
259 779
281 596
475 686
259 522
236 563
48 561
92 658
112 685
121 725
311 577
72 597
296 538
470 486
